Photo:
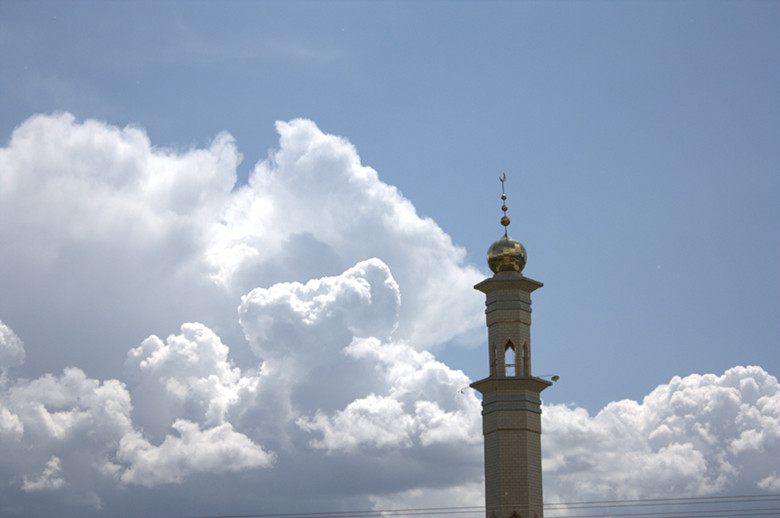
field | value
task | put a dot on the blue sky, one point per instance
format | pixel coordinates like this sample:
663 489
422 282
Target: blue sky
640 140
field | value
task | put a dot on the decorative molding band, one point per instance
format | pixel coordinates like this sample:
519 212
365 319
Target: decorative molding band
520 406
504 298
522 429
495 306
487 400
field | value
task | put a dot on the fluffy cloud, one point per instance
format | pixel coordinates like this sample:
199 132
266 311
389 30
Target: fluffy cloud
49 479
193 411
59 429
101 226
125 238
58 422
331 336
11 348
313 207
425 404
140 384
698 435
191 374
363 301
103 236
216 450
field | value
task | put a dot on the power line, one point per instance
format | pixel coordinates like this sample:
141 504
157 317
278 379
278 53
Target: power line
361 514
771 511
606 505
667 501
633 507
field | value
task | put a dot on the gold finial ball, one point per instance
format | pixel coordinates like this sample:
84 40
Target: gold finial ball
506 254
503 196
506 221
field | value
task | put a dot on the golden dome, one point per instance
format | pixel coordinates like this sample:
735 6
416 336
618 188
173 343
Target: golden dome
506 254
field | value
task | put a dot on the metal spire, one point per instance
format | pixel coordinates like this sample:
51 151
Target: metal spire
505 219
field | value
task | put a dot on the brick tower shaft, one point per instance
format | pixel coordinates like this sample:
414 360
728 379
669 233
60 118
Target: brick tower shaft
511 404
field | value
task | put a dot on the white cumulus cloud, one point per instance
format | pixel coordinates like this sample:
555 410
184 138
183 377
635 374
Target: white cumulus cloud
11 348
214 450
191 373
697 435
49 479
313 207
424 400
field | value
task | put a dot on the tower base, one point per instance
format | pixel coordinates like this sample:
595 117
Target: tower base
512 426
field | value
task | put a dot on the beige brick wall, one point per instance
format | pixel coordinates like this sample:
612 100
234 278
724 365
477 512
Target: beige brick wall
511 412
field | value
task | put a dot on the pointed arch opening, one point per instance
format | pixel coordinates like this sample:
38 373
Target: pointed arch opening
510 359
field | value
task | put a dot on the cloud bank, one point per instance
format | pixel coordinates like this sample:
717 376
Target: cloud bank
698 435
175 343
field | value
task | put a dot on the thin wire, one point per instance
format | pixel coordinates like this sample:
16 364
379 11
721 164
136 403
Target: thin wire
684 514
664 501
361 514
748 512
559 506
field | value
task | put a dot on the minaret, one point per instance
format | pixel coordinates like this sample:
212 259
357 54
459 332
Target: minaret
511 406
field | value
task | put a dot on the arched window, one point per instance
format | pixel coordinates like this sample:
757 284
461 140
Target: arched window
509 358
